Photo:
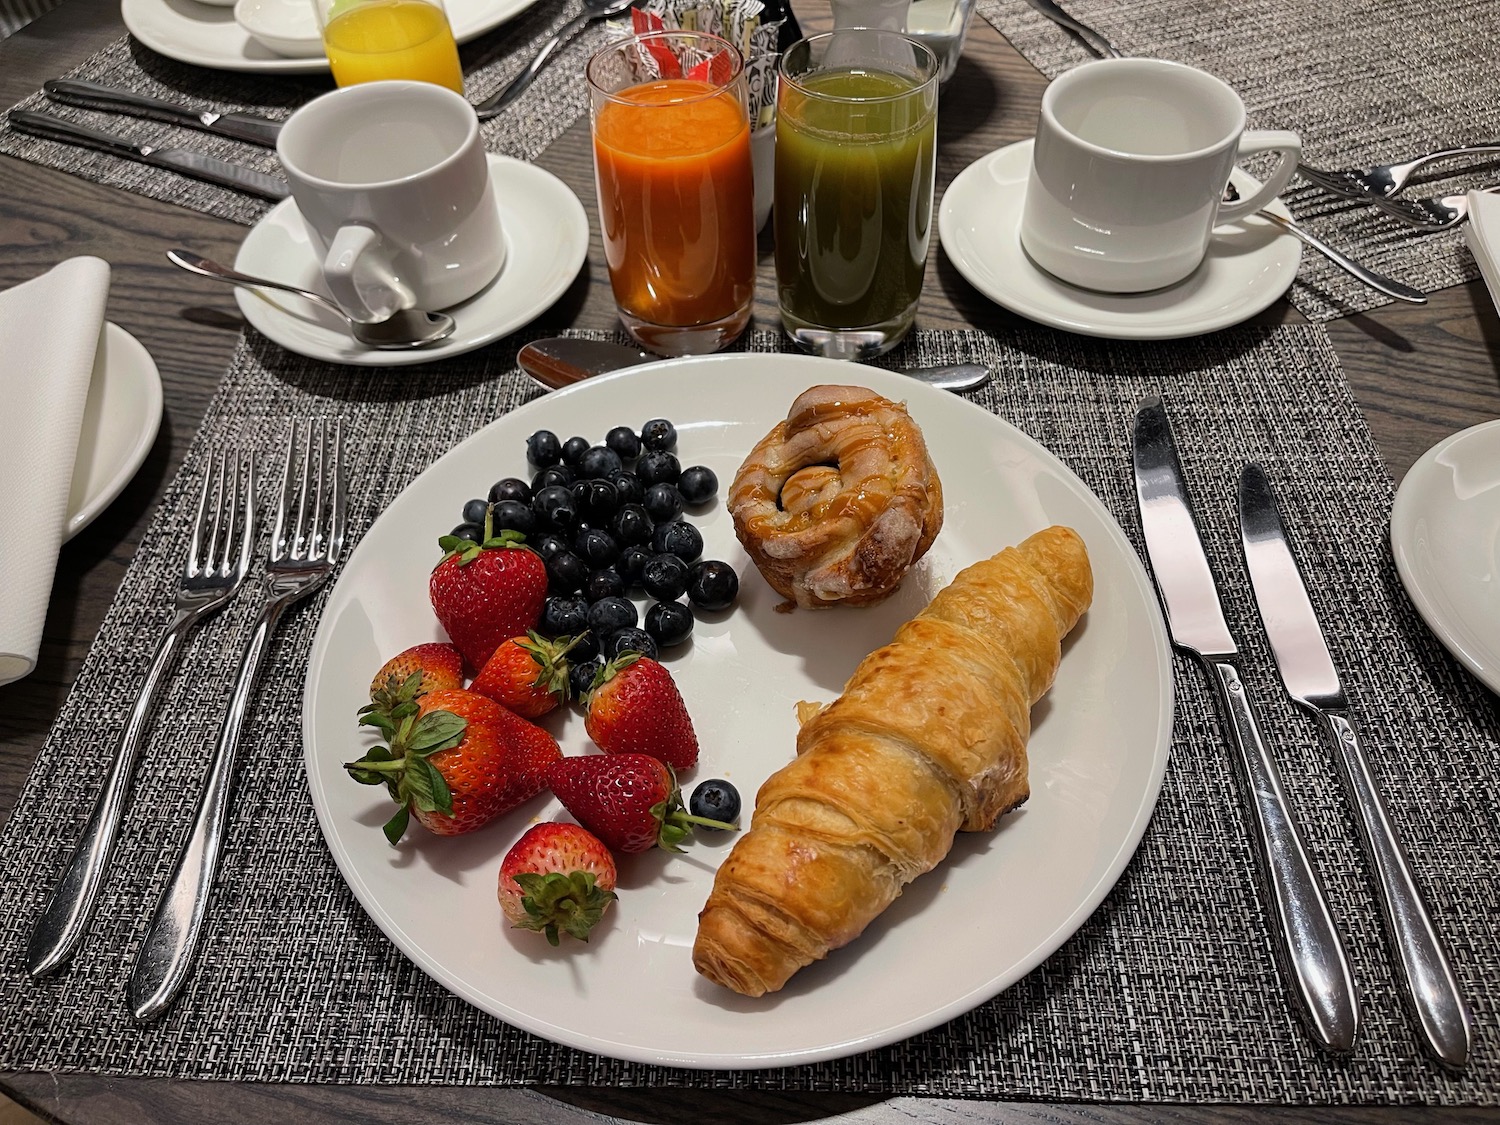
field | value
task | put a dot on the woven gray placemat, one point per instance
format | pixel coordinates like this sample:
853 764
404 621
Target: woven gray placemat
1167 993
1360 83
553 102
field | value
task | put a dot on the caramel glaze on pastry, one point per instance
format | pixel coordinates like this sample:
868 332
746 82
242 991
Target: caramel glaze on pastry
836 503
928 737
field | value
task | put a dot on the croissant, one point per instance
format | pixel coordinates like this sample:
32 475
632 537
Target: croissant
839 499
928 737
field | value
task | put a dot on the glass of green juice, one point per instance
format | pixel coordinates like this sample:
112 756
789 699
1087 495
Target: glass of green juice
856 145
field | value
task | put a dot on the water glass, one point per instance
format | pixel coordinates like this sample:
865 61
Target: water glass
856 144
371 40
671 134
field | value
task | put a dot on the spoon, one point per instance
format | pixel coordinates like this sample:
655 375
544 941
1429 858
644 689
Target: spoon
407 328
592 10
560 361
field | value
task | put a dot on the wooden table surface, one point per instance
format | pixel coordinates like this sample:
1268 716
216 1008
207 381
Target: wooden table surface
1419 374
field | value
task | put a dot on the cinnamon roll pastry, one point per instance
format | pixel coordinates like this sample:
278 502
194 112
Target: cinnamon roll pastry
837 502
927 739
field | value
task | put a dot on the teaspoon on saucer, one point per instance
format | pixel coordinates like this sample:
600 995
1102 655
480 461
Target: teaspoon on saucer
560 361
408 328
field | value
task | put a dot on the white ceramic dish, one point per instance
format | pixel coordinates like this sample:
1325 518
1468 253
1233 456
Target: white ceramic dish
1445 527
1249 264
203 34
287 27
1097 754
1482 233
547 239
120 418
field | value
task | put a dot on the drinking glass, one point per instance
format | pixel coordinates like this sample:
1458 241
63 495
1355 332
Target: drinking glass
370 40
856 144
672 163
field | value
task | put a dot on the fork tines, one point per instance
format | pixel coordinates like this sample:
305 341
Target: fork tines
228 494
311 512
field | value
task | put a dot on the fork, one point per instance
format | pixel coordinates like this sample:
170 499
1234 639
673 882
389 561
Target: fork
1385 180
306 544
1433 213
218 558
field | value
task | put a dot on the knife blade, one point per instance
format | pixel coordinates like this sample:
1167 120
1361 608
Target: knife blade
1309 942
1312 680
92 95
182 160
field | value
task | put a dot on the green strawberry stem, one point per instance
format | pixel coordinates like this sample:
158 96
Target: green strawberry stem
467 550
555 902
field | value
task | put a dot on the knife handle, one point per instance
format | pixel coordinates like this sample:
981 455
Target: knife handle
56 129
1445 1019
1310 942
91 95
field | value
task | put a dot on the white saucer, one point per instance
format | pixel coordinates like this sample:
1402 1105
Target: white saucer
120 419
546 237
1445 525
1249 264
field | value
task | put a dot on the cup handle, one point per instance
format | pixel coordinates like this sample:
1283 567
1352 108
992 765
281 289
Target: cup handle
359 274
1264 140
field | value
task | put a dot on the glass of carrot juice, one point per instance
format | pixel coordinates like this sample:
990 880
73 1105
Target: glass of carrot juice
676 193
370 40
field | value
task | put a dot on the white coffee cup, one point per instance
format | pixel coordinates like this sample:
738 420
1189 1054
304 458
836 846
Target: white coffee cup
1129 168
392 181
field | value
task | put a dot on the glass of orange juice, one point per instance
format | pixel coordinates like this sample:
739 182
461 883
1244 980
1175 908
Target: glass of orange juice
369 40
676 191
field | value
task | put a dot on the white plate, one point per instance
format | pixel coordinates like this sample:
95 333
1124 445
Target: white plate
207 35
996 907
547 239
1482 233
120 419
1249 264
1445 524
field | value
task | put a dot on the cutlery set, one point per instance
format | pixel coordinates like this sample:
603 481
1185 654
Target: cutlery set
1309 944
307 541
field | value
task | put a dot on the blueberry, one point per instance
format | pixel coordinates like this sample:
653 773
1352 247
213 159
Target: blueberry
629 487
511 488
630 640
715 799
472 532
712 584
669 623
514 515
631 562
600 461
553 474
663 502
665 577
543 449
585 648
658 467
698 484
659 434
581 676
566 572
680 538
573 450
564 616
596 501
595 547
475 510
623 440
631 525
610 615
606 582
553 506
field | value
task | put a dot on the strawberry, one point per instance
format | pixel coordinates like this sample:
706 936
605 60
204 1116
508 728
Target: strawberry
484 594
557 877
527 674
634 707
630 801
454 759
440 666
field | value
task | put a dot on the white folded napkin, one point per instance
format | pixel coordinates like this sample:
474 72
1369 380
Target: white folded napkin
1482 233
50 330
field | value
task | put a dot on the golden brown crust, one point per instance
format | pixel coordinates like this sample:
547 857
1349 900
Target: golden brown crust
929 736
837 501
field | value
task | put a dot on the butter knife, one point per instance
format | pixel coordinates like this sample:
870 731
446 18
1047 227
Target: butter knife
182 160
1309 942
91 95
1308 672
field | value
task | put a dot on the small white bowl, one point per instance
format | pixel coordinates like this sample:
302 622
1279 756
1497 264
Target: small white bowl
287 27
